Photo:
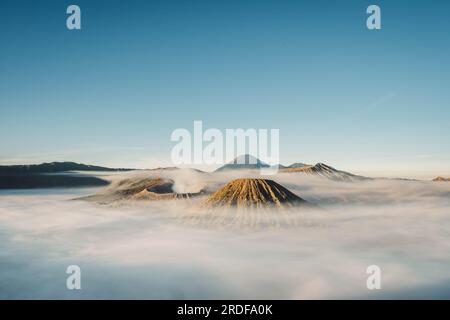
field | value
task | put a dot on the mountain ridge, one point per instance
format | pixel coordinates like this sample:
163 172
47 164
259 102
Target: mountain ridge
326 171
319 169
441 179
54 167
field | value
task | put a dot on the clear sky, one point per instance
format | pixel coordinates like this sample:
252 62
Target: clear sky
370 102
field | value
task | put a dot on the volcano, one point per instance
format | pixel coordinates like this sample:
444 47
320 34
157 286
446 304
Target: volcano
140 189
253 193
245 161
325 171
440 179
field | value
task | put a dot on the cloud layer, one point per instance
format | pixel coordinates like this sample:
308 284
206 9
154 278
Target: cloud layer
141 250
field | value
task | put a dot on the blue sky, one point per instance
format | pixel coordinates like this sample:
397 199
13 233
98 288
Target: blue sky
371 102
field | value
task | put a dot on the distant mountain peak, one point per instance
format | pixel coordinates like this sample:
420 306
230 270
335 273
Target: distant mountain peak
326 171
441 179
323 166
297 165
245 161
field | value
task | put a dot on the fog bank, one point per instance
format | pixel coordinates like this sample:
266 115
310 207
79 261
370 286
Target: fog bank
142 250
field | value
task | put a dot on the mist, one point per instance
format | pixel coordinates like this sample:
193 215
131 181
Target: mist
142 249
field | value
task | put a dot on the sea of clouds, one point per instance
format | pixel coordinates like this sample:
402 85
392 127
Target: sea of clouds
143 250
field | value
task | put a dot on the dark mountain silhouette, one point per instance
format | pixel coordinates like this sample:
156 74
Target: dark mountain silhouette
34 181
53 174
54 167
